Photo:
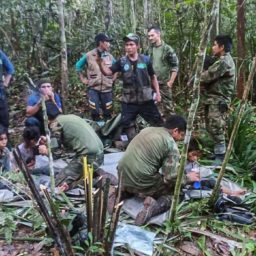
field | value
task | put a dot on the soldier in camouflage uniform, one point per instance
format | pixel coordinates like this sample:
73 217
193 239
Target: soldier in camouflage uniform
219 84
152 150
72 138
165 64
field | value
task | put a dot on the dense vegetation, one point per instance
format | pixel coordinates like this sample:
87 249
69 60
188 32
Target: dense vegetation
30 35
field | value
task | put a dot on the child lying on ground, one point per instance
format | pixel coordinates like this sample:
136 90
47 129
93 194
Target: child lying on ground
205 182
5 162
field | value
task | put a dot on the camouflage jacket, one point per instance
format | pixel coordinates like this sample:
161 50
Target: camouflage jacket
71 136
151 150
219 80
164 61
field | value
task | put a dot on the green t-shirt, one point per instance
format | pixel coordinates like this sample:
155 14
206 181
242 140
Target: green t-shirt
164 61
76 136
153 148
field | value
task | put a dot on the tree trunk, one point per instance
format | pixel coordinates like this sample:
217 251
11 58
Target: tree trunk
240 47
64 58
133 17
109 13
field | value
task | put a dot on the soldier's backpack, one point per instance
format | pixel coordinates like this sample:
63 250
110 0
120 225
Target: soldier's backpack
231 208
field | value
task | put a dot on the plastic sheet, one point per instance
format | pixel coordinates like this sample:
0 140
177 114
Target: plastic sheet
134 237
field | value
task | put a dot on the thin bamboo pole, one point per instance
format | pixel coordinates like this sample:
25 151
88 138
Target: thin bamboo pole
194 105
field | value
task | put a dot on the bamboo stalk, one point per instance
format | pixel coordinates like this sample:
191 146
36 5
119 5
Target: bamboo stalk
88 194
104 208
194 106
112 228
53 229
65 237
234 132
96 213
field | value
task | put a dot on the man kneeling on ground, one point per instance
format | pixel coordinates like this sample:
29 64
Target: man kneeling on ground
72 137
149 167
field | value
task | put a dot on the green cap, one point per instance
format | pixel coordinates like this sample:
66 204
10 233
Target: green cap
132 37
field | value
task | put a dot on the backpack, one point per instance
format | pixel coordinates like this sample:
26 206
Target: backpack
232 208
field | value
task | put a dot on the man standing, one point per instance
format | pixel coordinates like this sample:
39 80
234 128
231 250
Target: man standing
34 108
6 72
138 80
149 167
99 85
165 64
219 84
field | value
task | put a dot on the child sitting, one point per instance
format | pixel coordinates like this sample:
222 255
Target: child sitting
29 149
5 162
206 182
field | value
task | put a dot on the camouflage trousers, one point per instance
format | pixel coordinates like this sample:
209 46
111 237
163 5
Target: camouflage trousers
215 120
157 190
166 106
74 170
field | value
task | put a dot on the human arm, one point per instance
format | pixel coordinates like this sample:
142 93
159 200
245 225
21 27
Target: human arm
33 104
108 71
216 71
155 86
8 67
172 79
80 64
173 62
154 81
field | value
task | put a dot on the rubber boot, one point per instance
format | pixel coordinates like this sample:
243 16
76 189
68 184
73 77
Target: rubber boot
105 175
152 208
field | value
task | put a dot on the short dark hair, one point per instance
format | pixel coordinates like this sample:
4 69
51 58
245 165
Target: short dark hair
155 27
42 81
3 130
224 40
176 121
193 145
31 133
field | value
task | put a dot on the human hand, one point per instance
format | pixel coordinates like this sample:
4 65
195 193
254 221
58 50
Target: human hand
63 187
193 176
85 81
158 97
170 84
42 140
43 150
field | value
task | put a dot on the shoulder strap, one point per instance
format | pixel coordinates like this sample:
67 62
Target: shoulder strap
145 58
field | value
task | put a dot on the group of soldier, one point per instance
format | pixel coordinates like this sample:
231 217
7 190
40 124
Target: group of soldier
147 87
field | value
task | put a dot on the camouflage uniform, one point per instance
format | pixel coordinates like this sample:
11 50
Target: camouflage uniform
219 81
164 61
151 150
72 138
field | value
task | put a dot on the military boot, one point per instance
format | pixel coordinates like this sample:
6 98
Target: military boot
106 175
152 208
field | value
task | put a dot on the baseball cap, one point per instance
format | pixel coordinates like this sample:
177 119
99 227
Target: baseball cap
132 37
102 37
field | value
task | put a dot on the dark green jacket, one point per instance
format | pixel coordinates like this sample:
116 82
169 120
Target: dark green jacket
219 80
